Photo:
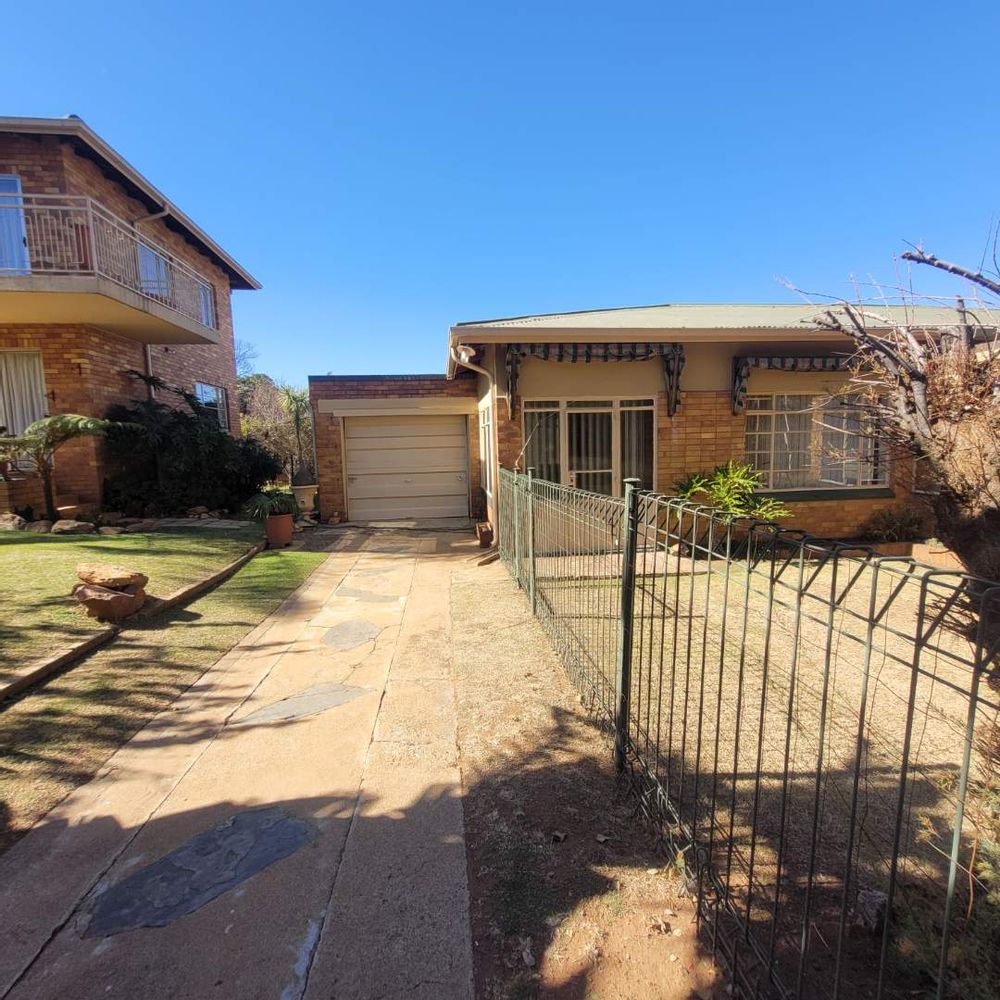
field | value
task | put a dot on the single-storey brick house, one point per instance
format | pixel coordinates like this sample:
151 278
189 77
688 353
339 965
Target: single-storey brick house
591 398
99 274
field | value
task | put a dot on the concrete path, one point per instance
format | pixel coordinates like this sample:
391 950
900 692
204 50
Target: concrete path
291 828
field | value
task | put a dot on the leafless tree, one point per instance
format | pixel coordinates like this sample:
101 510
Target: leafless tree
934 391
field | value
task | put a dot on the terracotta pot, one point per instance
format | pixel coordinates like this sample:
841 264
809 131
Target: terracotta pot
279 529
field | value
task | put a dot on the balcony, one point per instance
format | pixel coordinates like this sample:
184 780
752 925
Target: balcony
67 259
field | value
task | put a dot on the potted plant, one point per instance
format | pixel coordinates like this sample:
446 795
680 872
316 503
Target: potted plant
277 508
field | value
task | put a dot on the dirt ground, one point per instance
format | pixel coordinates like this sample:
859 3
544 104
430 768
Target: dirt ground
571 897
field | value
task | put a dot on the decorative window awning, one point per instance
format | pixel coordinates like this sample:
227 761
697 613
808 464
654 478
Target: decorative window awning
743 366
670 355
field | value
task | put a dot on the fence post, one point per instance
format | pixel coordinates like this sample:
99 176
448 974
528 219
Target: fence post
531 539
623 679
518 567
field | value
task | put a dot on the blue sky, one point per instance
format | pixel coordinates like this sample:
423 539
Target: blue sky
388 169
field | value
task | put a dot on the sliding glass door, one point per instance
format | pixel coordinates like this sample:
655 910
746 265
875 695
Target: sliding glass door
13 234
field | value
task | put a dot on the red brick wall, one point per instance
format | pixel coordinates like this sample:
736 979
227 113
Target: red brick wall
328 429
50 165
84 373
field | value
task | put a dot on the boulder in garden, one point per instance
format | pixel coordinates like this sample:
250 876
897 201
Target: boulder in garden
112 577
39 527
12 522
109 605
67 526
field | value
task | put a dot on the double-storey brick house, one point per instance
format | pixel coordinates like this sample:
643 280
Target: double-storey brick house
100 274
591 398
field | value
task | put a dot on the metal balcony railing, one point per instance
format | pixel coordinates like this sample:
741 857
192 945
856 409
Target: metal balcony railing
69 235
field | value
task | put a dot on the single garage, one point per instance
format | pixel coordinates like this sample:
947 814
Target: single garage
406 466
396 447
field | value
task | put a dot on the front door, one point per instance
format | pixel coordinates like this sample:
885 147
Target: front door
13 235
591 451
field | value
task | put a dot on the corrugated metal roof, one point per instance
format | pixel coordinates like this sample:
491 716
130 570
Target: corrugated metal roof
707 316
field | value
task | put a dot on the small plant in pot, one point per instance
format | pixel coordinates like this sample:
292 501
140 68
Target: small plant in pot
277 508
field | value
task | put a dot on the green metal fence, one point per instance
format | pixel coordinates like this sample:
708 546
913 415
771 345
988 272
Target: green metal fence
813 728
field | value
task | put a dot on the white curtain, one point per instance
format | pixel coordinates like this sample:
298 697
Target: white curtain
22 390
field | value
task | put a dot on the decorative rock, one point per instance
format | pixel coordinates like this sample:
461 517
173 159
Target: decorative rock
12 522
40 527
112 577
870 910
139 527
111 518
109 605
67 526
110 529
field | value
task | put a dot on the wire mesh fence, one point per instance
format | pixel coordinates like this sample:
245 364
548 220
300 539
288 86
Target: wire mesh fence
813 727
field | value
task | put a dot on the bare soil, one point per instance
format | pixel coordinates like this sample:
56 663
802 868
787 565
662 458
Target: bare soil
571 895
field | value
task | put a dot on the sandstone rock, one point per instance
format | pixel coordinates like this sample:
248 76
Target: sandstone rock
138 527
110 529
12 522
110 576
109 605
67 526
40 527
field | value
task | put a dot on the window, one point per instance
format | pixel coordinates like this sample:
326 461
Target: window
206 304
800 441
486 450
213 397
13 234
593 444
22 390
154 273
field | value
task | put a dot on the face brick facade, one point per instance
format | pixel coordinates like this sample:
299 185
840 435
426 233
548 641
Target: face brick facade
329 428
85 366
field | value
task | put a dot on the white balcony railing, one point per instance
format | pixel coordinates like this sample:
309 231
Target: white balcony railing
66 234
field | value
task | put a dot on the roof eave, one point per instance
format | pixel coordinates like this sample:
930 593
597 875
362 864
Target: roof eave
80 130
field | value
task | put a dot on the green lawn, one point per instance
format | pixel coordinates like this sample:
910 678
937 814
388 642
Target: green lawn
37 572
58 735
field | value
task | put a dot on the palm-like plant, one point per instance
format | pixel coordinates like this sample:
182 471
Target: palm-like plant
296 403
39 442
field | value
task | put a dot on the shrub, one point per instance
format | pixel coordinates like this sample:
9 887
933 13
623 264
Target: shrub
169 459
891 525
272 500
732 490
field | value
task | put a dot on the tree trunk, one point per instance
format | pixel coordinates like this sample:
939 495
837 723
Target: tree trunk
48 490
973 536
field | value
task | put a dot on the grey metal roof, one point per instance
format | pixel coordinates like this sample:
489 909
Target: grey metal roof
91 144
706 316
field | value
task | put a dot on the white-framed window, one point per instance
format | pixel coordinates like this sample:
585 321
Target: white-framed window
22 390
486 449
593 444
154 273
206 304
803 441
213 397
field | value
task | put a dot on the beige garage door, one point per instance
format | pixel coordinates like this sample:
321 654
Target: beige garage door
399 467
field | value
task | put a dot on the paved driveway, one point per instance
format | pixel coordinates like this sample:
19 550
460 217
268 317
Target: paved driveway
290 828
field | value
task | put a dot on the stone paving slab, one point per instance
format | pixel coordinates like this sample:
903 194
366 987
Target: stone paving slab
286 728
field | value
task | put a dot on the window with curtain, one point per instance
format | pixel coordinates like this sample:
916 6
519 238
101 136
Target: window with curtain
593 444
799 441
154 273
22 390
